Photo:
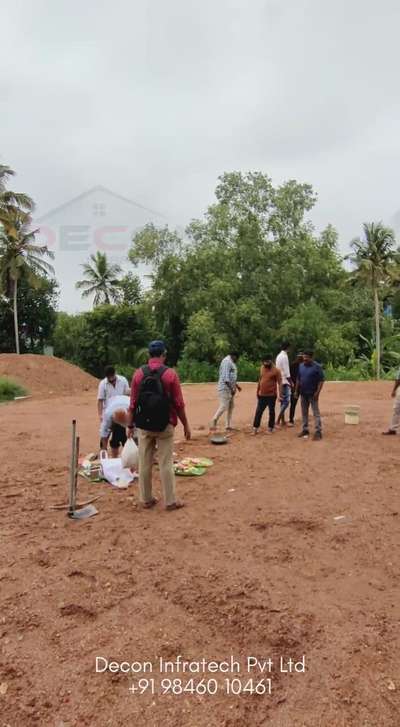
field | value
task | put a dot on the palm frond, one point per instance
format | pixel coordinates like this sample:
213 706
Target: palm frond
87 293
9 199
39 265
5 172
85 285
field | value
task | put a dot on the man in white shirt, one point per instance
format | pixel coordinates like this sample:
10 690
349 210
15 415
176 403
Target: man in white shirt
109 388
282 363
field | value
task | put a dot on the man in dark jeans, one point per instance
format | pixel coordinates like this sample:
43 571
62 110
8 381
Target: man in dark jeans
310 381
294 370
268 384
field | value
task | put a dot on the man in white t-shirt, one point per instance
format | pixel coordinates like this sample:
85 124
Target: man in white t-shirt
282 363
110 387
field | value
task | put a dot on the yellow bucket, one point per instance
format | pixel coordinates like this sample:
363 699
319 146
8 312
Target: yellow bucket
352 415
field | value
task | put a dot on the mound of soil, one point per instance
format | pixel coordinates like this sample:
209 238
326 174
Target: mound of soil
45 375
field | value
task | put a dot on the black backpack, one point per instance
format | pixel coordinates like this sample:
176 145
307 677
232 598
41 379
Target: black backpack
153 406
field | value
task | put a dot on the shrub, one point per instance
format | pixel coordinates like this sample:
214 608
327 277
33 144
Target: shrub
248 370
196 372
9 389
391 375
357 372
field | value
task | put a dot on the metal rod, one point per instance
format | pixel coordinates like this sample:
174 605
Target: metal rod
72 469
76 470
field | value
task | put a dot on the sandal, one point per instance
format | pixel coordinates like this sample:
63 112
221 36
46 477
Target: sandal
175 505
149 503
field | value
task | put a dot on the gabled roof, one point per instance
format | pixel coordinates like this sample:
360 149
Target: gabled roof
98 188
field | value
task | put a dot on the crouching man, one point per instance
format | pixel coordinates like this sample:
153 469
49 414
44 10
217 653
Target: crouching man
114 422
156 405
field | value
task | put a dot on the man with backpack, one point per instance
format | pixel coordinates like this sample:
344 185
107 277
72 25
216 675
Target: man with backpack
156 405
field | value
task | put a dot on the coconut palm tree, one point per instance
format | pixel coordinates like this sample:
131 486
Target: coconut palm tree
20 257
9 200
373 258
101 280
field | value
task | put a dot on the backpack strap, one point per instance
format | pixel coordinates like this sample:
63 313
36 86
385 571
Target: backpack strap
161 370
147 371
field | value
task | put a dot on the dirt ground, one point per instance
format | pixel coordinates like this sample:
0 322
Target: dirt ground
255 565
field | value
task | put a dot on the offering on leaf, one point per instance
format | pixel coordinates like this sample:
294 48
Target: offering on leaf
192 466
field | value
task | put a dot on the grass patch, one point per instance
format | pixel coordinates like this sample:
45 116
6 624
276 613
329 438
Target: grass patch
9 389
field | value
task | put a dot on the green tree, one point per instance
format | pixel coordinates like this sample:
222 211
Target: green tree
20 258
203 340
251 270
152 244
243 198
129 290
37 314
373 257
69 336
109 334
101 280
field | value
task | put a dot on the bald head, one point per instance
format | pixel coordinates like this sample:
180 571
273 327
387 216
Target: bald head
120 416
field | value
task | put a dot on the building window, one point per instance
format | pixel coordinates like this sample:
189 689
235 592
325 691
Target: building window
99 209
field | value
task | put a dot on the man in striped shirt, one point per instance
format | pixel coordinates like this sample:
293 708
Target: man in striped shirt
227 387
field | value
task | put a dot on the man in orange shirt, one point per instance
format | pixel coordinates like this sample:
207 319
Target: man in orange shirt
269 383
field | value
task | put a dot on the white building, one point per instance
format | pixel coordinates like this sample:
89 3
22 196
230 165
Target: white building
97 220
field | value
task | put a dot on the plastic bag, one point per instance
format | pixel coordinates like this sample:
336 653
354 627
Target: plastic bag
113 471
130 454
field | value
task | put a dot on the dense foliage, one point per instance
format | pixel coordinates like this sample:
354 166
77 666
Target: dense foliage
108 333
21 260
249 273
252 272
37 316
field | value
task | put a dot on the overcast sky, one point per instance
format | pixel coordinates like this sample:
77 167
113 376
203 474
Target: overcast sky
154 99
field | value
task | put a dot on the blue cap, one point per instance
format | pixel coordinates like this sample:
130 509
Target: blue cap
157 348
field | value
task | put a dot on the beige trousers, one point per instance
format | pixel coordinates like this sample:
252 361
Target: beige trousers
226 404
165 455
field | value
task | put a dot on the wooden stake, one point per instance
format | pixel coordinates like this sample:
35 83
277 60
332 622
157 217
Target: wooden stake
72 469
